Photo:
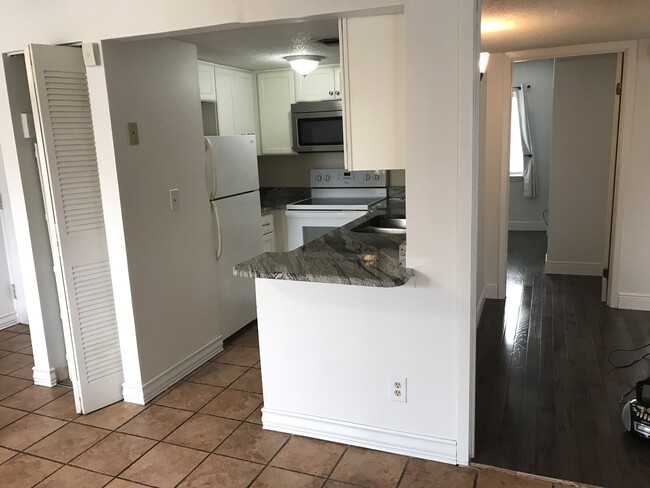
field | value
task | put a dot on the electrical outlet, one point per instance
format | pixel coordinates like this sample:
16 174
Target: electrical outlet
398 388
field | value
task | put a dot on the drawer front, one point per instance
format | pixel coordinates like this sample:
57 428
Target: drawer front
267 224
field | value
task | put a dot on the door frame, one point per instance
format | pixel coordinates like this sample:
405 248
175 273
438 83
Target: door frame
623 153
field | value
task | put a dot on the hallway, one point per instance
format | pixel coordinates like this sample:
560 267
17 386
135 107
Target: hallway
547 399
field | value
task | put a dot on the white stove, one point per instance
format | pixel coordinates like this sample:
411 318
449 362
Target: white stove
337 197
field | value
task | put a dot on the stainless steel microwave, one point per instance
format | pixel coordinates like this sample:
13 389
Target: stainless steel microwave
317 126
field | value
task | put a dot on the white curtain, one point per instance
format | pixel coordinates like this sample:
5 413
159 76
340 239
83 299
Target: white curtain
530 172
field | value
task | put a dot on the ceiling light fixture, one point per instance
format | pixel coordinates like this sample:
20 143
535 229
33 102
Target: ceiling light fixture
304 63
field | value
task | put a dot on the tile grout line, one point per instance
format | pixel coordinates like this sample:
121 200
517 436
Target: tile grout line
403 473
347 446
268 464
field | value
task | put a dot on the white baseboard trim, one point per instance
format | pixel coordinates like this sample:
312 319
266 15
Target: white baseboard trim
573 268
45 377
491 291
634 301
142 394
419 446
527 225
8 319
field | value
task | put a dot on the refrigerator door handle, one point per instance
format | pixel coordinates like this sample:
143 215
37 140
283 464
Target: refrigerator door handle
215 214
213 166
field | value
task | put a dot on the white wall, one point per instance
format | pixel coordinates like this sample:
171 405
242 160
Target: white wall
30 227
440 136
481 289
526 213
634 279
493 93
171 270
7 308
580 162
12 251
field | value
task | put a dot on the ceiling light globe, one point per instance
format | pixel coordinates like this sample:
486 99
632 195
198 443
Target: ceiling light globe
304 64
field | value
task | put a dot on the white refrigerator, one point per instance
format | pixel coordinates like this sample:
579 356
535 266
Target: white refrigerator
233 190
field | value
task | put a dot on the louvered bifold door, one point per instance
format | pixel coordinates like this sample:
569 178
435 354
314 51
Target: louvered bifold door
68 160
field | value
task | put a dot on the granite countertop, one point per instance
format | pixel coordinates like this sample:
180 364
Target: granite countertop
277 198
340 256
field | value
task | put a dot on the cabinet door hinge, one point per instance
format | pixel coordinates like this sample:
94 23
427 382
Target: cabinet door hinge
13 291
619 88
605 272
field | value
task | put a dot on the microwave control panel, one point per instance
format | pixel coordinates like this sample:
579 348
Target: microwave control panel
340 178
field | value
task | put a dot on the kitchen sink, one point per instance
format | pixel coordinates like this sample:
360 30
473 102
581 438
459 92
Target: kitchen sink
382 225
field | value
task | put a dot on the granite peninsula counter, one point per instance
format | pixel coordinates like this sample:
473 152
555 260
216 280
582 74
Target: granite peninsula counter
340 256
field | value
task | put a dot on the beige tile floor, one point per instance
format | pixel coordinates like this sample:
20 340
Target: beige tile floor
203 432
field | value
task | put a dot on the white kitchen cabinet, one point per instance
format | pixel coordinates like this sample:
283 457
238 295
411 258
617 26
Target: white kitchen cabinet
235 101
321 84
234 92
276 94
206 82
373 92
268 234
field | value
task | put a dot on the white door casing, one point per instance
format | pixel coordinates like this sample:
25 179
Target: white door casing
609 214
70 179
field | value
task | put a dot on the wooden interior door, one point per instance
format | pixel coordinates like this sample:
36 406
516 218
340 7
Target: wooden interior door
70 179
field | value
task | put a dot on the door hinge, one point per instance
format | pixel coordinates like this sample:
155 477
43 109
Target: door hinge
13 291
605 272
1 206
619 88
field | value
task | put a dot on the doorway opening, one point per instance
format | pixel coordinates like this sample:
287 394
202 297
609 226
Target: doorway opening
542 353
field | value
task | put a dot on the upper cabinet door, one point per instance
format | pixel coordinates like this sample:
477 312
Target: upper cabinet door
338 91
243 100
225 106
373 91
317 85
276 94
206 83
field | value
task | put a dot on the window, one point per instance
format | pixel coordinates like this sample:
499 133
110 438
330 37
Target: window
516 150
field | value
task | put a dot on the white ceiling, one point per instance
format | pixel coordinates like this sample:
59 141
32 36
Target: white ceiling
507 25
263 46
529 24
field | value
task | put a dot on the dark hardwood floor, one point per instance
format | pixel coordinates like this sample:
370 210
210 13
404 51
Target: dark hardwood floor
547 400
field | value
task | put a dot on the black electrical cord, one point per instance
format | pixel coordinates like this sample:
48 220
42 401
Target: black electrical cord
545 216
630 364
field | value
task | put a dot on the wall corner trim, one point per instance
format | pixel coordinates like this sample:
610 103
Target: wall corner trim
142 394
634 301
44 377
481 303
405 443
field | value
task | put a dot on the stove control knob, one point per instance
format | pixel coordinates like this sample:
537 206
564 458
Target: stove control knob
327 178
319 177
367 177
376 177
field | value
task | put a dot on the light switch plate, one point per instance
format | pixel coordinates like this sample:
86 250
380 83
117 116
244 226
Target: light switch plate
90 53
27 122
134 139
174 203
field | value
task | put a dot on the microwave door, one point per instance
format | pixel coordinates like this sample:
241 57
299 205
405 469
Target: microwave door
317 132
